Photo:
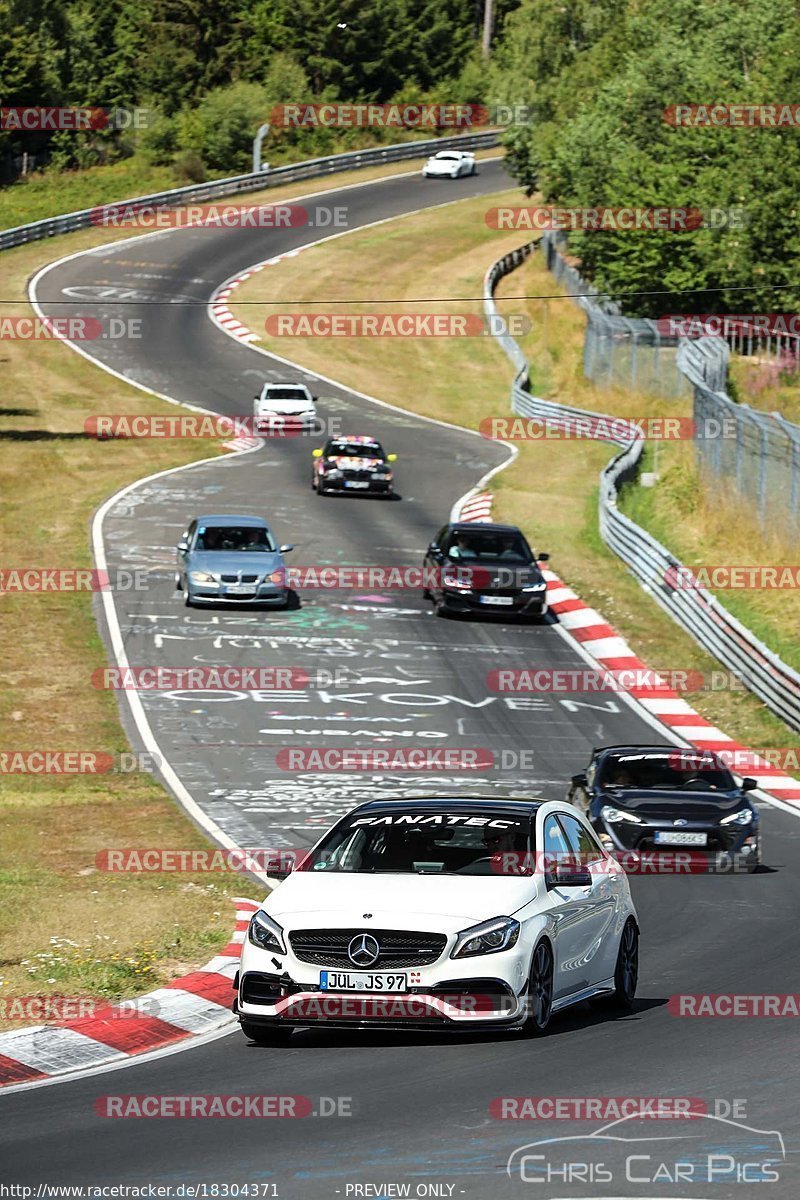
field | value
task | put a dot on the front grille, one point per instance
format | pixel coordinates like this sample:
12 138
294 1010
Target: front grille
239 579
399 947
353 473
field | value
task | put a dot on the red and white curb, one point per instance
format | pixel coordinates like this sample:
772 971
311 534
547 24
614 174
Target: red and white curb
477 507
221 313
195 1004
601 642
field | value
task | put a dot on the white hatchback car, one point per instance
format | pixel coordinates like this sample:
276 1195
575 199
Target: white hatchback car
449 164
441 913
278 405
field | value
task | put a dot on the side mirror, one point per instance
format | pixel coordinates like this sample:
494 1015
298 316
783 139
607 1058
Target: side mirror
257 396
543 557
316 453
285 549
580 779
315 399
183 546
435 551
749 784
566 873
391 458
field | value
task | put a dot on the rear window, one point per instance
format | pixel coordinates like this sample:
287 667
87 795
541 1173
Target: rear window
424 843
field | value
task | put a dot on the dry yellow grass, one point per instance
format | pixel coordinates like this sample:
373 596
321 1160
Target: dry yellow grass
551 489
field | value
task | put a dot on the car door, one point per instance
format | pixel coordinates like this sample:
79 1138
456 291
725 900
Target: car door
434 559
570 911
186 540
603 900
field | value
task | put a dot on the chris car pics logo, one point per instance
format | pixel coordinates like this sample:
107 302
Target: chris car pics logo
705 1150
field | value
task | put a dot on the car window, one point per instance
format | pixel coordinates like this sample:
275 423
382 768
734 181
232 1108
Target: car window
233 537
285 393
555 845
341 448
474 545
672 769
582 844
407 843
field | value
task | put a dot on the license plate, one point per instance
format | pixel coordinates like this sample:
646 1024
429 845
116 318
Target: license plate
240 589
356 483
681 839
497 599
358 981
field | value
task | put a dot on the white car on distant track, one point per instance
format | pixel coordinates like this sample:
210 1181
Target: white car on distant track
284 404
441 913
449 164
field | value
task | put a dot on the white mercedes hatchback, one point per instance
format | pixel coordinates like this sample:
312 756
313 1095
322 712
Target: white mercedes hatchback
447 913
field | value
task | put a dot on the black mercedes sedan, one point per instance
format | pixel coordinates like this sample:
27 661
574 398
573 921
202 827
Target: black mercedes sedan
477 567
651 798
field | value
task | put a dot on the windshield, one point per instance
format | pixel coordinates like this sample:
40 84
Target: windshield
450 157
344 449
441 843
234 537
285 393
670 770
476 546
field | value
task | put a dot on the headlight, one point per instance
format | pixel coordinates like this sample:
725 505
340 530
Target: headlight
275 577
743 817
615 815
265 933
456 583
333 472
201 577
535 587
489 937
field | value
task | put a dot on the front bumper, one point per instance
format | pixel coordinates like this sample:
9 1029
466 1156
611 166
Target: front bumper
726 845
374 486
488 1003
485 990
528 604
205 594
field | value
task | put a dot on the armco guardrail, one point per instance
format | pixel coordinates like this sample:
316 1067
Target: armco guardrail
760 453
254 182
657 570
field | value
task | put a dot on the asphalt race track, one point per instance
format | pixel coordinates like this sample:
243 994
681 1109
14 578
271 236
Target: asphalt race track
419 1106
